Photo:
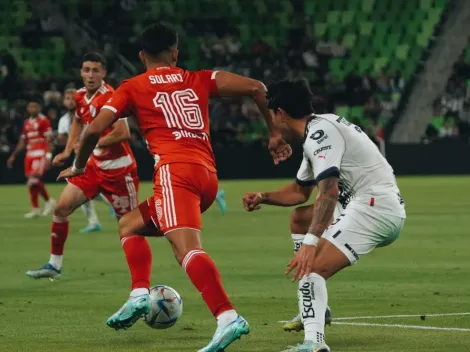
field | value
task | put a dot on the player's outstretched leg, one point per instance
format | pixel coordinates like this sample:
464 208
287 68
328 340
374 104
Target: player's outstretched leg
205 276
49 202
70 199
93 223
220 199
313 296
34 199
139 258
300 220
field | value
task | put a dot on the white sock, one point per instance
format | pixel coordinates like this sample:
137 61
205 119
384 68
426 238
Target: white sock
298 239
89 210
313 300
56 261
225 318
139 292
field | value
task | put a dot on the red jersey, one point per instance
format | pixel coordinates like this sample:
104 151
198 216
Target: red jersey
172 110
117 157
36 131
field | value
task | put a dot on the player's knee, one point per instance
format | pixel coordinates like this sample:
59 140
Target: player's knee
32 182
63 210
300 219
124 226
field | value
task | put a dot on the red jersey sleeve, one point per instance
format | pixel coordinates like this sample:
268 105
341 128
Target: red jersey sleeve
120 102
77 98
207 78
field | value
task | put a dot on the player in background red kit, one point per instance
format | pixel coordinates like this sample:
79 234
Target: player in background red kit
171 106
36 137
111 170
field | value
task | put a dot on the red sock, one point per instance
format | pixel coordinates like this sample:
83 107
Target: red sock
59 233
42 190
204 275
33 196
139 259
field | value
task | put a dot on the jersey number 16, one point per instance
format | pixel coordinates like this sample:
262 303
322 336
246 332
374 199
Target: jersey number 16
180 109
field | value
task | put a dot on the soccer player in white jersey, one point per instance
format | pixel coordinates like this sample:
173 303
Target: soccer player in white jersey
355 184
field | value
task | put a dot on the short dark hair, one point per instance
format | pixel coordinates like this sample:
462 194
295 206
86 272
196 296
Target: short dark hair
157 38
95 57
35 99
292 96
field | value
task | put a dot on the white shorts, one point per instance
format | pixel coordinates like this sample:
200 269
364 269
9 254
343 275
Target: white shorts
358 230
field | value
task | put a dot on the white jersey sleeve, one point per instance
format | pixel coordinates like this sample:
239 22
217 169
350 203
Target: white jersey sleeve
324 147
305 176
64 125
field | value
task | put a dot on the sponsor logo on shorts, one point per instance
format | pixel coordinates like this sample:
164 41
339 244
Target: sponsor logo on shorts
185 134
158 207
307 296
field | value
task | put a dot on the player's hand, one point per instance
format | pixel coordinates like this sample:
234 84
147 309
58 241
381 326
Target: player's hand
60 159
279 148
69 173
10 161
302 262
252 201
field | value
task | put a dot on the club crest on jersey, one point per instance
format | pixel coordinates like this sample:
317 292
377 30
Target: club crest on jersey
82 110
92 111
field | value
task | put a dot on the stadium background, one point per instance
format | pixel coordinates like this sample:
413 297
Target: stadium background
363 58
398 68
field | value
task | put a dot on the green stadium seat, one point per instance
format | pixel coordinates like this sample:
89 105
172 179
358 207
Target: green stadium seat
334 31
347 17
356 112
349 40
380 63
333 18
425 4
366 28
320 29
442 4
368 5
309 8
402 52
342 111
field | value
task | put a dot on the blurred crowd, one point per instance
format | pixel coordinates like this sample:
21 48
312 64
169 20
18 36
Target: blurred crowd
372 97
451 118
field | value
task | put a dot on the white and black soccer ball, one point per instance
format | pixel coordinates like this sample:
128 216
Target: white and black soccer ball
167 307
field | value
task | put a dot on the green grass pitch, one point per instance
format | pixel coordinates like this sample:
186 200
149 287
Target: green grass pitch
426 271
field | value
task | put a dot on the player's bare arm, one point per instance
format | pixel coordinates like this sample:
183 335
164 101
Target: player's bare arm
19 147
89 141
286 196
230 84
75 131
119 133
328 193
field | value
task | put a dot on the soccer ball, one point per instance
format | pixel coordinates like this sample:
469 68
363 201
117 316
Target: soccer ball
167 307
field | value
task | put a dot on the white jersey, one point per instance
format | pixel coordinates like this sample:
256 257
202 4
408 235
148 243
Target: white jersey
334 146
64 124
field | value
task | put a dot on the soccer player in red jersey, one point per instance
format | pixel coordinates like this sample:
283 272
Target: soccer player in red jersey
36 137
171 106
111 171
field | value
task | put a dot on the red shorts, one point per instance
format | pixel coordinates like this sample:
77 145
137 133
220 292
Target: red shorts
35 165
182 192
121 192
